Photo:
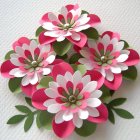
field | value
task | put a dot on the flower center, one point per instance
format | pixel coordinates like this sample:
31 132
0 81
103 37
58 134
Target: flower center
72 99
34 64
104 59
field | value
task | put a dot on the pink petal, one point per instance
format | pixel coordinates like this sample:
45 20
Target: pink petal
38 98
96 76
64 129
103 115
70 7
115 84
29 89
61 68
45 39
20 42
44 18
133 58
112 35
82 42
94 20
100 47
6 67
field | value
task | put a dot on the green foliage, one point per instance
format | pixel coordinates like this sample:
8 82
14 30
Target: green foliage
39 30
84 12
7 56
117 102
87 129
16 119
74 58
126 45
14 85
23 109
28 101
80 68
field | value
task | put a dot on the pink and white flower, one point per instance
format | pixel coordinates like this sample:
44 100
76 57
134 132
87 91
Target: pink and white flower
72 98
68 24
108 56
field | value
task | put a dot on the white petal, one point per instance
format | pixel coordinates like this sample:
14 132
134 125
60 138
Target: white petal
85 53
15 61
64 11
59 117
68 115
114 41
49 26
68 76
122 58
88 64
77 77
76 36
96 94
109 75
25 47
50 59
52 17
33 46
60 38
119 46
83 114
86 79
93 112
54 108
125 52
49 102
77 121
106 40
25 81
51 93
92 43
102 71
123 66
83 19
34 79
17 72
115 69
91 86
14 55
80 28
46 71
19 50
93 102
53 85
61 80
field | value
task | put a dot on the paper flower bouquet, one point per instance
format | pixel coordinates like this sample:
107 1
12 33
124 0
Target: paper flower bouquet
69 73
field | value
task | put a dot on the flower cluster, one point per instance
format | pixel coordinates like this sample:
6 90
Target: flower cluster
70 72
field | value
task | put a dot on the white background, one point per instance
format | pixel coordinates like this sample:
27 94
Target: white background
20 18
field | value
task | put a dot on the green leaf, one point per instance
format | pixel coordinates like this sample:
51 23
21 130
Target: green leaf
23 109
106 97
29 121
91 33
14 85
80 67
7 56
44 83
111 116
61 48
45 119
62 57
87 129
74 58
39 30
126 45
131 73
38 120
28 101
16 119
84 12
117 102
123 113
112 92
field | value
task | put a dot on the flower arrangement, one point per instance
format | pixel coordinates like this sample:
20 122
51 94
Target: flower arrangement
69 73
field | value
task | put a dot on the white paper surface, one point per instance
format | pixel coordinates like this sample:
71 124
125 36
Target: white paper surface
20 18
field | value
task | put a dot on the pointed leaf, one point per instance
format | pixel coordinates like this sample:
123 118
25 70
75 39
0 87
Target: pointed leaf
126 45
29 121
80 67
117 102
123 113
14 85
39 30
87 129
111 116
7 56
44 83
16 119
61 48
131 73
38 120
91 33
28 101
84 12
23 109
74 58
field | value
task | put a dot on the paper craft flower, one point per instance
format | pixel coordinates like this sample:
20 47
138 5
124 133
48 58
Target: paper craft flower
30 61
72 98
68 24
108 56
